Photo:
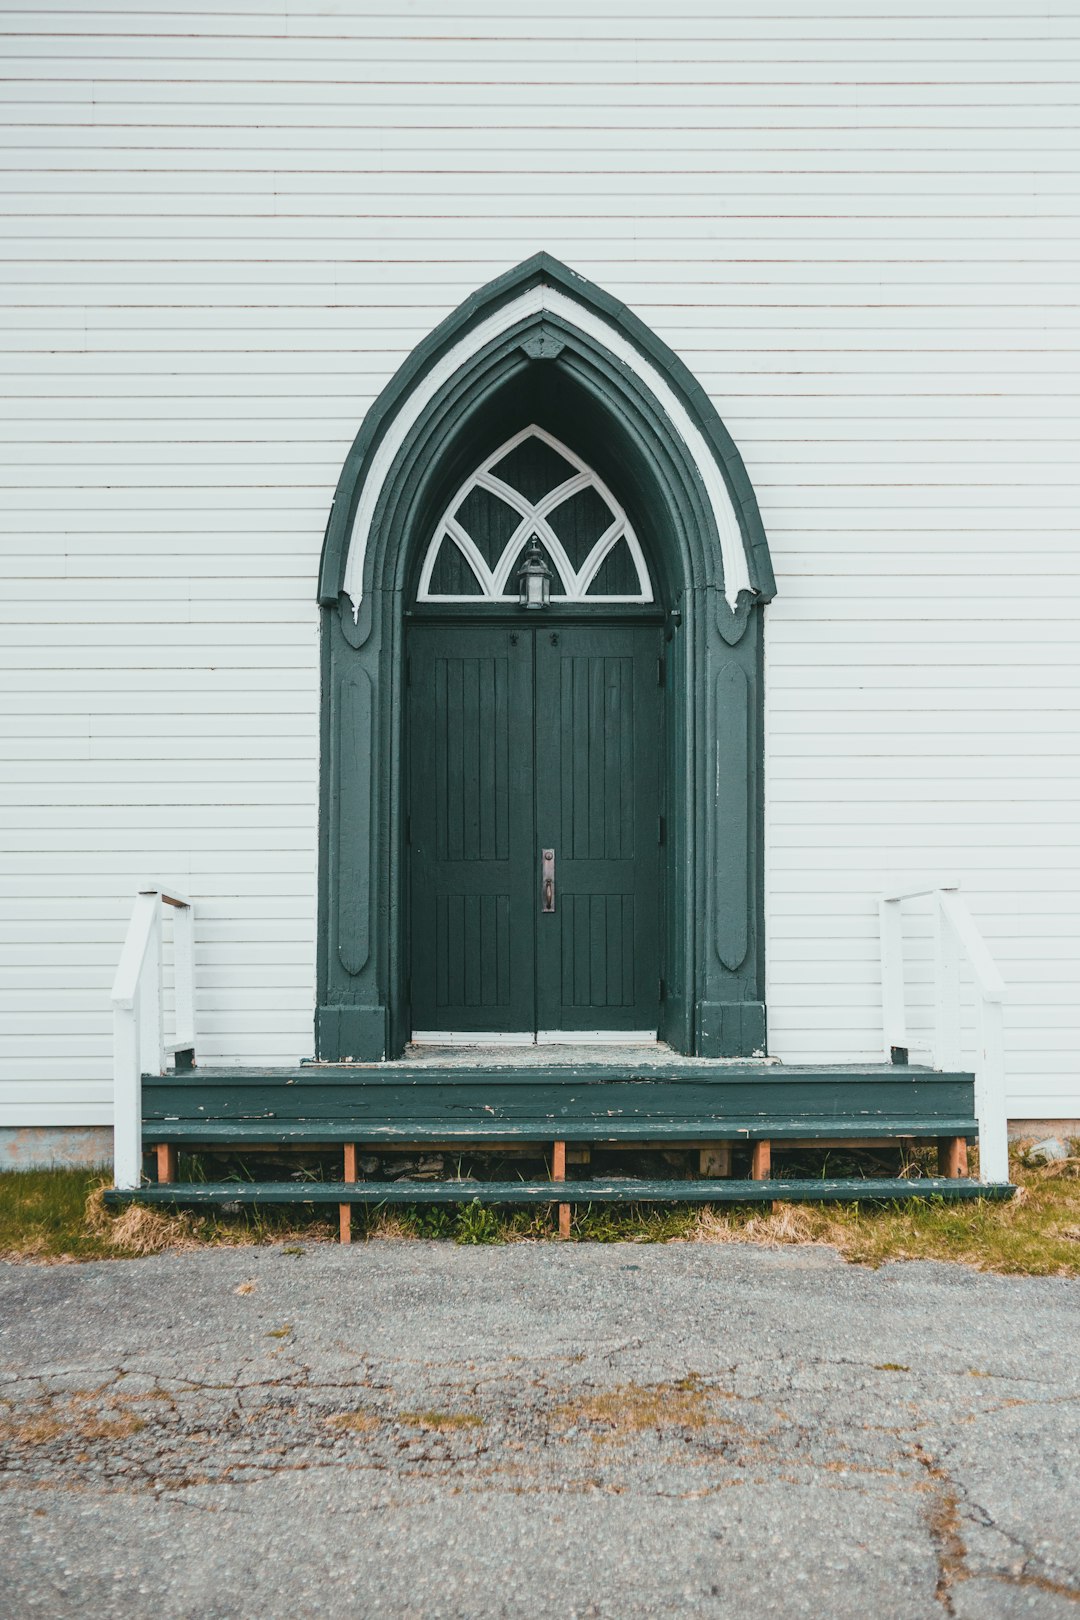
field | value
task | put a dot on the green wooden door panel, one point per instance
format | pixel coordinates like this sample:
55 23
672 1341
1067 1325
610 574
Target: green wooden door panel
597 799
522 740
470 823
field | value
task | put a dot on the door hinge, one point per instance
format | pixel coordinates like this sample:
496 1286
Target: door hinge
660 671
408 831
661 990
661 830
408 672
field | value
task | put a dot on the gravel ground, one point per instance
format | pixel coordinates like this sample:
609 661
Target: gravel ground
407 1429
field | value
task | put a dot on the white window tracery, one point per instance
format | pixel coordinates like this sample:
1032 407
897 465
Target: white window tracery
589 542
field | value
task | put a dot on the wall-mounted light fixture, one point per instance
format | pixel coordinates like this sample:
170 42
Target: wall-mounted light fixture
534 578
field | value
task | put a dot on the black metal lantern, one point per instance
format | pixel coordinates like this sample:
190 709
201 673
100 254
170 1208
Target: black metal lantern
534 578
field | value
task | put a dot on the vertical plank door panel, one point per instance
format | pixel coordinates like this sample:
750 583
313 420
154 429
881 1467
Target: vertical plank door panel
597 805
471 856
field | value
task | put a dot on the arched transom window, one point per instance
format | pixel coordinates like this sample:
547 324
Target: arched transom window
533 490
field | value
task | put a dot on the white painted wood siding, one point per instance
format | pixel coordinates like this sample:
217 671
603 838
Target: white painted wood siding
226 224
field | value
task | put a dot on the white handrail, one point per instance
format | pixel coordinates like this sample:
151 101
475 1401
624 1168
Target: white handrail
955 934
139 1045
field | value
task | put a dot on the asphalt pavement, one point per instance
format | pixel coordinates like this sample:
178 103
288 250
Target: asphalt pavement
419 1430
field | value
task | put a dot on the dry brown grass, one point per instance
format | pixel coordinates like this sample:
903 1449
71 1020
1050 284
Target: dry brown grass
110 1428
353 1422
34 1431
140 1229
630 1408
791 1223
71 1420
1033 1232
441 1422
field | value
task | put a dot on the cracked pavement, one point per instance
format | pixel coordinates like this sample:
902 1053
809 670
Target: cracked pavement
407 1429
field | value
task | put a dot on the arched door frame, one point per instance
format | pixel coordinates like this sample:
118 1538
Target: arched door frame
542 333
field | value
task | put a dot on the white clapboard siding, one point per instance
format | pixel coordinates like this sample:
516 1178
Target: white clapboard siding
226 226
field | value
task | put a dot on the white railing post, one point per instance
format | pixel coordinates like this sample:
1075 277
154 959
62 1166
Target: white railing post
127 1098
138 1019
990 1092
954 931
893 1015
947 1042
131 1036
151 1014
990 1109
184 972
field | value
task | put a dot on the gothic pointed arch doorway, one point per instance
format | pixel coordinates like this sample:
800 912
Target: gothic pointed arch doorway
542 819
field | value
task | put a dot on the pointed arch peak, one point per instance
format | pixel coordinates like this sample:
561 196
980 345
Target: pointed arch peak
543 313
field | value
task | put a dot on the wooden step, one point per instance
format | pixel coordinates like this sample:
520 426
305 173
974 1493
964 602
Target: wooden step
615 1190
487 1131
467 1100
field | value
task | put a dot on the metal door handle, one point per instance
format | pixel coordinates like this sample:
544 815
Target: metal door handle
547 880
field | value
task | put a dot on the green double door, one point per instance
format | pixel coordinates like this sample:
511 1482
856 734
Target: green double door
533 827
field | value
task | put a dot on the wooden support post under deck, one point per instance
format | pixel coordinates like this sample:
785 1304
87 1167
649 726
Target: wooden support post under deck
761 1161
345 1210
715 1161
558 1173
166 1161
952 1156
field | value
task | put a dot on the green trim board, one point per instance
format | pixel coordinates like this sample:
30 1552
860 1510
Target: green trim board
629 1190
559 375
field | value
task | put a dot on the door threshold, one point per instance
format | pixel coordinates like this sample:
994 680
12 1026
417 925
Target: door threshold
596 1037
542 1037
471 1037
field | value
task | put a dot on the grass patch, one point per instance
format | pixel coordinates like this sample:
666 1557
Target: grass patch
55 1215
67 1420
441 1422
60 1215
1030 1234
633 1407
353 1422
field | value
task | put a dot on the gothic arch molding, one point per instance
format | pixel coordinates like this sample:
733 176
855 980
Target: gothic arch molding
542 342
537 311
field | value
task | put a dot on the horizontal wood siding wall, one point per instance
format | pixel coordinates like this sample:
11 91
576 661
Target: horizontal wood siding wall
226 224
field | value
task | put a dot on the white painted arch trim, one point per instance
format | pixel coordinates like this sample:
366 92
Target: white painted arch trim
495 583
538 301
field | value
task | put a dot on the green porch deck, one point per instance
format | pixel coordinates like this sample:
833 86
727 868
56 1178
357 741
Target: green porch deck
506 1097
465 1098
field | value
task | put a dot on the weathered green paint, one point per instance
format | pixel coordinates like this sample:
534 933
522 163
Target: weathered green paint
548 372
252 1130
685 1100
846 1190
731 1028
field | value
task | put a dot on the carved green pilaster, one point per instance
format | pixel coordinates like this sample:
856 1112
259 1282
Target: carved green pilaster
352 1017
